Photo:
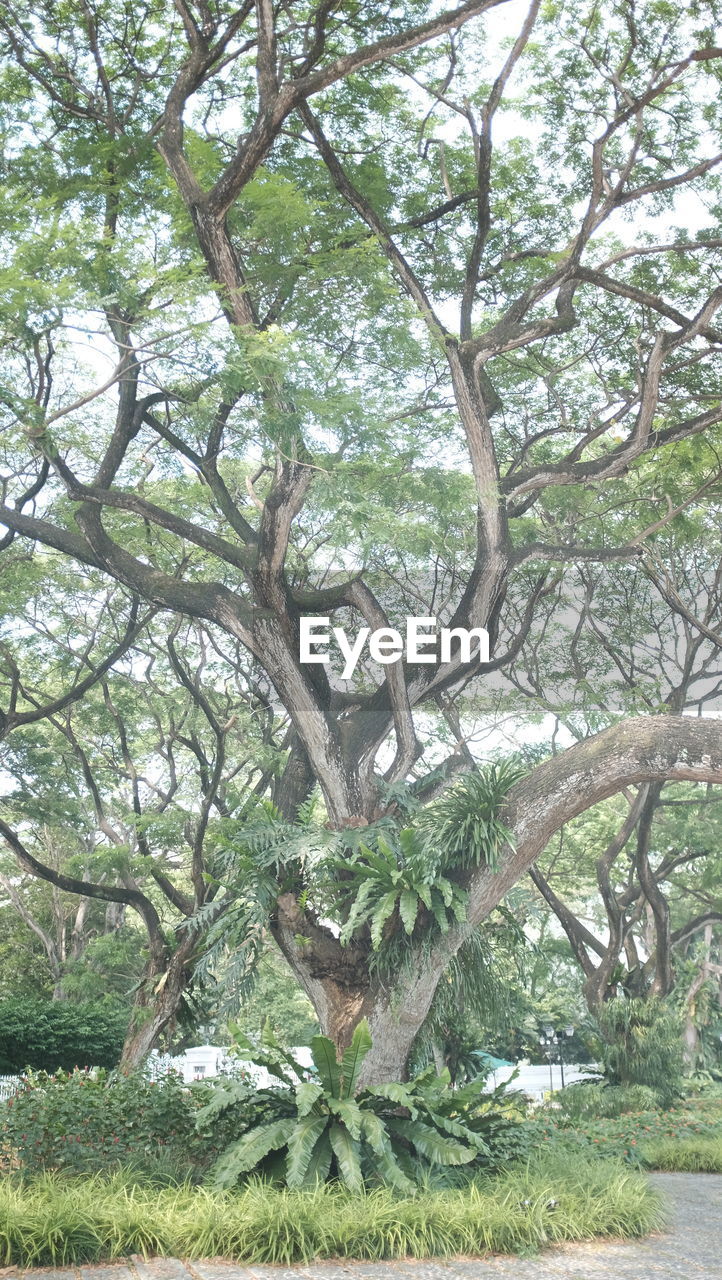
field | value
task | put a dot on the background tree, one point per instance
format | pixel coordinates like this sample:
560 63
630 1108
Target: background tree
643 869
122 796
313 249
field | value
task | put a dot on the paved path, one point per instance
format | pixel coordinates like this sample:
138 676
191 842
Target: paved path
692 1250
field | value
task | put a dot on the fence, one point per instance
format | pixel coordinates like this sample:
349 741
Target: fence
8 1086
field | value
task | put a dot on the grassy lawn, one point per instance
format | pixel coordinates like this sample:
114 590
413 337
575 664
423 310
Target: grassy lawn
54 1220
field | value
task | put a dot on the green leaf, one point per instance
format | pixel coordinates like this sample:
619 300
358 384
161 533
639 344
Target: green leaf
248 1151
307 1095
320 1162
353 1057
430 1144
346 1151
386 851
440 913
301 1145
424 892
268 1038
409 909
380 916
375 1134
379 864
459 1130
393 1091
349 1113
323 1052
445 888
359 910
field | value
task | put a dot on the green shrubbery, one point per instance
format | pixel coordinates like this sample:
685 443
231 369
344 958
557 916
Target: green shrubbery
642 1045
694 1155
302 1131
56 1221
596 1101
627 1136
52 1035
83 1122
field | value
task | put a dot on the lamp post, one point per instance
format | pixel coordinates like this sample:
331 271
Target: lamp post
568 1032
548 1038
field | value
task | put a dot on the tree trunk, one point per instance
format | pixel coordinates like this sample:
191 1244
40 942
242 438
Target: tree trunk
157 1003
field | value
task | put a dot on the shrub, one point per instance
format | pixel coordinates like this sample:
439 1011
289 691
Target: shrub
398 1134
55 1221
600 1101
642 1044
52 1035
625 1136
82 1122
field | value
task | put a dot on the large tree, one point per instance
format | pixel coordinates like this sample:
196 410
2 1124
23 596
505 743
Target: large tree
292 334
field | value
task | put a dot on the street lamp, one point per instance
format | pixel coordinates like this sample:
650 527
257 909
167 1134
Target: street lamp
546 1040
568 1032
550 1037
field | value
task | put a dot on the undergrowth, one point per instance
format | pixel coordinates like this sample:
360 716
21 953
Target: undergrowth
699 1155
56 1220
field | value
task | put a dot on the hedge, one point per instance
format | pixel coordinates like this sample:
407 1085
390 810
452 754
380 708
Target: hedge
48 1035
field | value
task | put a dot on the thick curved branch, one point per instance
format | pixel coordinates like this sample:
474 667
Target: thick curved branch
654 749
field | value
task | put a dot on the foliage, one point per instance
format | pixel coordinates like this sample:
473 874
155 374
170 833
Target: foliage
398 1134
390 876
50 1035
700 1155
390 880
626 1136
642 1044
88 1121
463 826
276 996
110 966
55 1221
592 1101
22 969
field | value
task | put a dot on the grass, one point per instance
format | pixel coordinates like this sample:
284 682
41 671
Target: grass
54 1220
699 1155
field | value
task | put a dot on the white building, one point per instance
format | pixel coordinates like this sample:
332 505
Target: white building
207 1060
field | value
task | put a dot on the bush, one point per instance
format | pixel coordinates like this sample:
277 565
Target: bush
642 1044
602 1102
398 1134
55 1221
52 1035
703 1155
83 1122
625 1136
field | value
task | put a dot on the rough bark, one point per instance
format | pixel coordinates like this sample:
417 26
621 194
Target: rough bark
157 1004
